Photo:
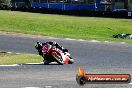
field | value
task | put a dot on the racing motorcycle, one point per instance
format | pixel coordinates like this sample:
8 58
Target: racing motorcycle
52 54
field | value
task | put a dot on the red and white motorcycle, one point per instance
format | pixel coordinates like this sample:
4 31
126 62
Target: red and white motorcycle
53 54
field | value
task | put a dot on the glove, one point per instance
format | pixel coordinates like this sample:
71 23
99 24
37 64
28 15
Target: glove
65 50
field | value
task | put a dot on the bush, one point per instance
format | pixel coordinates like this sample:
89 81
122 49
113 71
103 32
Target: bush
5 4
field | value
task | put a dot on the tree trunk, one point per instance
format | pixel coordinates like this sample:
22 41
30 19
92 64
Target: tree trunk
126 4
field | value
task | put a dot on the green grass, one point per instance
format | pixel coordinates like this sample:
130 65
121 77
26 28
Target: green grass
12 58
65 26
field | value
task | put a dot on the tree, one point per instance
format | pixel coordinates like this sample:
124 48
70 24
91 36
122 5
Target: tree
127 4
5 4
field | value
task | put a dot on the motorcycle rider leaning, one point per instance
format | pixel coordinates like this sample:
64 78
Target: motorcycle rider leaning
39 47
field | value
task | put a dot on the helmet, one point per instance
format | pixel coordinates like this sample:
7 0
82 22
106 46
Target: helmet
38 45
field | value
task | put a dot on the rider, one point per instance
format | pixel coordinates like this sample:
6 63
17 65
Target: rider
39 47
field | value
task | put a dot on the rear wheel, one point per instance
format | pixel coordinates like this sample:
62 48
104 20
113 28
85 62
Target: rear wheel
57 58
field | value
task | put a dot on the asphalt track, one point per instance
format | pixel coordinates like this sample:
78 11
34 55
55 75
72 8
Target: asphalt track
95 57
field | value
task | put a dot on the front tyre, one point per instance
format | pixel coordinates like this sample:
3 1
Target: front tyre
71 61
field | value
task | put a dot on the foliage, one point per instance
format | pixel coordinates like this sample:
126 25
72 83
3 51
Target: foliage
6 2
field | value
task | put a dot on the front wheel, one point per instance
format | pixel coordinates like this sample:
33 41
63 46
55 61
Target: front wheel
57 58
71 61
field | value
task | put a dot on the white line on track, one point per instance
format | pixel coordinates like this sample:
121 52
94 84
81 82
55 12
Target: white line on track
107 42
13 65
48 86
18 53
40 63
81 40
38 36
38 87
9 52
94 41
130 83
9 65
122 42
69 39
30 87
34 63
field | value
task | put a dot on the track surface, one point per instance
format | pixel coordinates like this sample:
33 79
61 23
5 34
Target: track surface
94 57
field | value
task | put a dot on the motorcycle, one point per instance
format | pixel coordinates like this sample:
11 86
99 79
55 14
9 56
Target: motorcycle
53 54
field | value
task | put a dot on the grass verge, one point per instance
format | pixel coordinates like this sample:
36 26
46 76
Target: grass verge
13 58
65 26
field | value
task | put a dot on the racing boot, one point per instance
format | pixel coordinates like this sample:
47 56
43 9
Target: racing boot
46 62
